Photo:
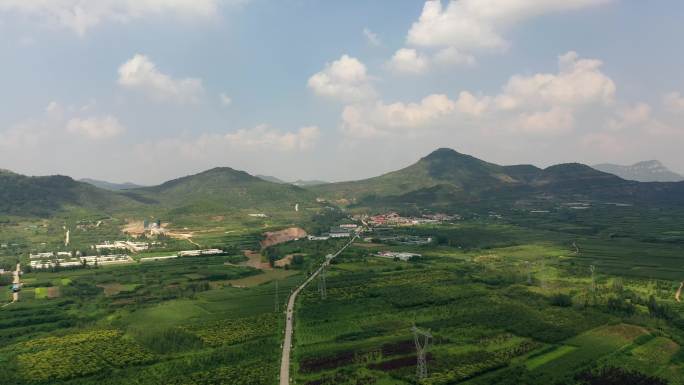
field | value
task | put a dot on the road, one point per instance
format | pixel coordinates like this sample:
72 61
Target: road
16 281
287 342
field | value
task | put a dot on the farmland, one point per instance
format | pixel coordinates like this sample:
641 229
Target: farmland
506 299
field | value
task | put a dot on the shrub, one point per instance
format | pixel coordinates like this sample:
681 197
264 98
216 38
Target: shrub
561 300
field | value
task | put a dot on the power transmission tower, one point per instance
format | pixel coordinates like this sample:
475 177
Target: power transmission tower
276 296
529 272
321 284
577 250
422 340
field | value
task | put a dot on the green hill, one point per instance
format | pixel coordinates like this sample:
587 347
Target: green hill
447 178
46 195
221 190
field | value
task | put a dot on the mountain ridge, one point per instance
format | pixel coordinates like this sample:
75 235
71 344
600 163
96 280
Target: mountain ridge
110 185
645 171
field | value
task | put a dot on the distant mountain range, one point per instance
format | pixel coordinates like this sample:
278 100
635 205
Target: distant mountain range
648 171
109 185
299 182
448 179
444 179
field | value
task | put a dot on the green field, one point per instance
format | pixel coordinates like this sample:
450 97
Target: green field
507 300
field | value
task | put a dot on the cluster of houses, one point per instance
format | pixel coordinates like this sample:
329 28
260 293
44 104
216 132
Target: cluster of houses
341 231
65 259
200 253
402 256
394 219
133 247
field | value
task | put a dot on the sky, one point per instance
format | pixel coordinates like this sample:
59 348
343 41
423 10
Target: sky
151 90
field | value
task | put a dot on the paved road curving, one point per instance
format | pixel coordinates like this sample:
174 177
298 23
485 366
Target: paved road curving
287 342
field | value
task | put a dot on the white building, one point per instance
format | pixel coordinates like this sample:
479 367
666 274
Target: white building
197 253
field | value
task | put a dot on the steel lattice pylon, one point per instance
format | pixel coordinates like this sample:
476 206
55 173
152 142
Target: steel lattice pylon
321 284
422 340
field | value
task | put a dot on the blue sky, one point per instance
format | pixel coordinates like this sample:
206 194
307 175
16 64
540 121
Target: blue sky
149 90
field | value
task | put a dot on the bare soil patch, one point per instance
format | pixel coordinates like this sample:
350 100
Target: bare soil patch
111 289
282 236
54 292
287 260
255 261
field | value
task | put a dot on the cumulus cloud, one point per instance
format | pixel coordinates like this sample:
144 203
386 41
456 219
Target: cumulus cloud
543 104
264 137
82 15
372 38
408 60
674 101
552 122
630 116
579 82
141 74
471 105
380 119
345 79
96 128
225 99
471 25
452 56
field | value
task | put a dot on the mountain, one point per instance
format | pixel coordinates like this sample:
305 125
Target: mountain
299 182
648 171
46 195
109 185
308 183
448 178
271 179
222 189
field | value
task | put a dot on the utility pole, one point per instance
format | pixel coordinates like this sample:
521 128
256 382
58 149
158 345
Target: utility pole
321 284
422 340
276 296
529 272
592 268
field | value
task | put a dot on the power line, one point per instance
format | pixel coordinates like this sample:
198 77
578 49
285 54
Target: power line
422 340
321 284
276 296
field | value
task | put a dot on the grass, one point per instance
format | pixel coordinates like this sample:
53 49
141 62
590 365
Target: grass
267 276
470 289
556 353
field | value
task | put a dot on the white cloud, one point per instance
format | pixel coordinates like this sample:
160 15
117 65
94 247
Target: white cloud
555 121
469 104
603 142
674 101
408 60
469 25
579 82
225 99
30 134
345 79
96 128
140 73
382 119
638 114
259 139
372 38
452 56
263 137
82 15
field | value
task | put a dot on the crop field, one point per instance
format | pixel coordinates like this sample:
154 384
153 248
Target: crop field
507 301
515 308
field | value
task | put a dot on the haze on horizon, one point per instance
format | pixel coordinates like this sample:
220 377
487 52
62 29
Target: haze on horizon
148 91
